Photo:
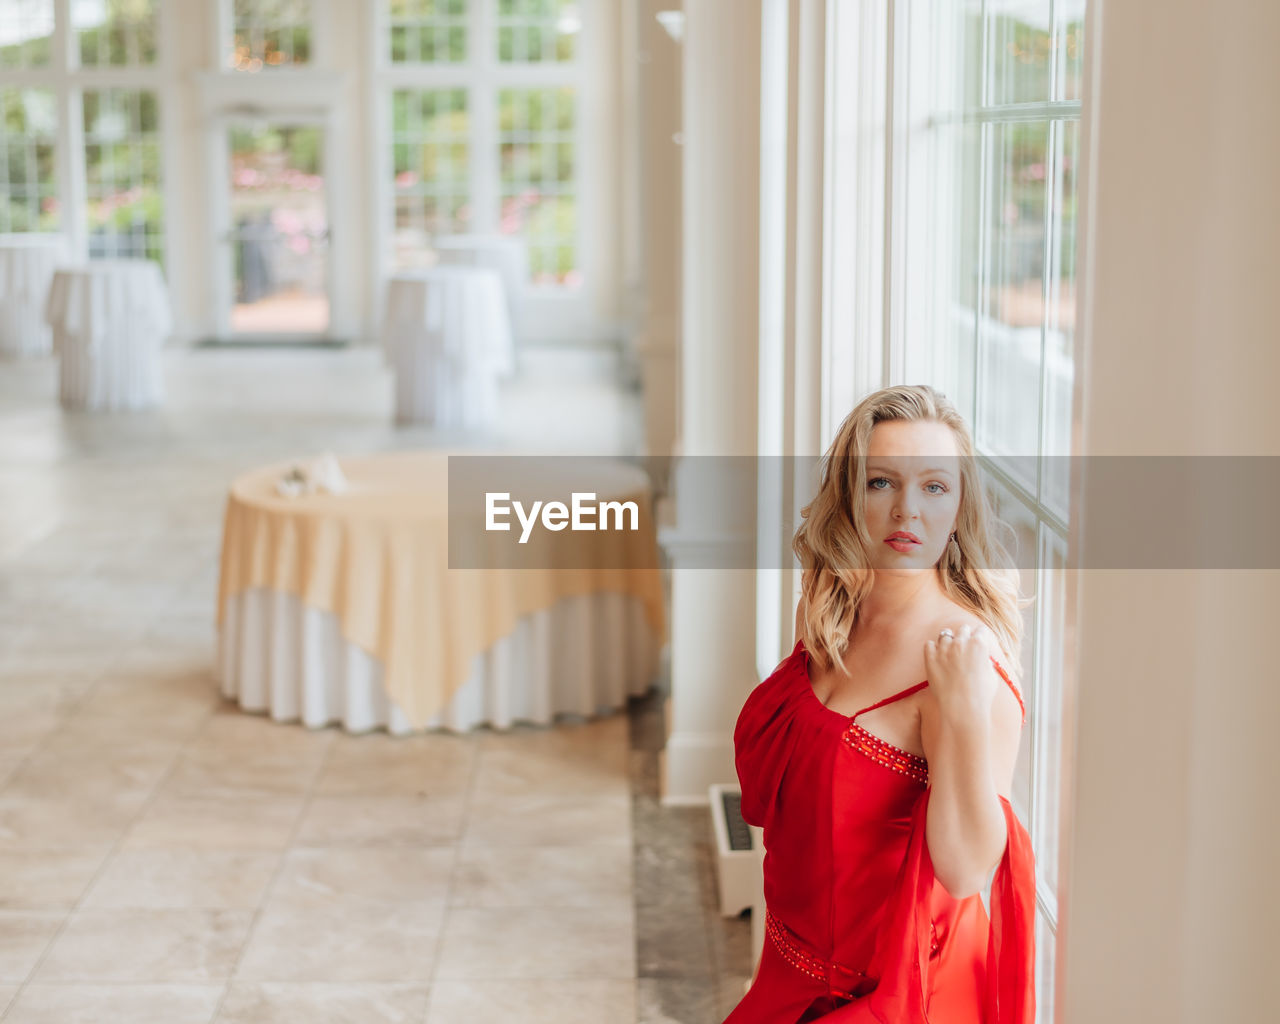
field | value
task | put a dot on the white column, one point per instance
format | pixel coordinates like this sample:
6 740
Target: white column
793 74
656 304
713 610
1170 898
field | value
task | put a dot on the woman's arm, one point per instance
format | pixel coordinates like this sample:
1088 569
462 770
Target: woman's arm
970 736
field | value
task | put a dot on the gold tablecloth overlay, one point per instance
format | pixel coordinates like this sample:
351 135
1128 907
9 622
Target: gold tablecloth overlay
377 558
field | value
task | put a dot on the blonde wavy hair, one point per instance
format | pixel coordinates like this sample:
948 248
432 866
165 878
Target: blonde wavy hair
833 545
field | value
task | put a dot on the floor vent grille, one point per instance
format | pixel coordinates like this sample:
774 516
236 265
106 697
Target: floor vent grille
737 860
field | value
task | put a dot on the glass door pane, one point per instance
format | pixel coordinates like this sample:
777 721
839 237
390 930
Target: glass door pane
279 231
1011 322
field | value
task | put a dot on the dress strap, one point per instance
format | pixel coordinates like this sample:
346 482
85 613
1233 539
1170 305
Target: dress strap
889 700
1005 676
921 685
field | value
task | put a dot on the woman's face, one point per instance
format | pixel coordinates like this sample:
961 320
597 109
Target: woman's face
913 487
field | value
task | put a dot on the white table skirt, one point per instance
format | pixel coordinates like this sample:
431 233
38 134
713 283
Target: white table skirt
507 254
27 263
447 337
110 319
583 656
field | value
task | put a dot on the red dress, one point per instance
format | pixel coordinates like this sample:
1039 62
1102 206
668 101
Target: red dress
857 928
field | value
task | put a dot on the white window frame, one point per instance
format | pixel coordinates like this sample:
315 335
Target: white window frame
311 93
68 80
551 313
216 128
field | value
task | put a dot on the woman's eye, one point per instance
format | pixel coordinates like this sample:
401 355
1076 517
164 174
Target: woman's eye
884 479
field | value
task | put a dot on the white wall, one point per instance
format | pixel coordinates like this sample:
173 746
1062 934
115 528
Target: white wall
1171 897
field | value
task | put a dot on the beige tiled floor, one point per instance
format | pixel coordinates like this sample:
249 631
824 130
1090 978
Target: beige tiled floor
165 858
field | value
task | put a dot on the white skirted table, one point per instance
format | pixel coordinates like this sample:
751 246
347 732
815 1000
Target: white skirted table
507 254
27 262
447 337
110 320
342 607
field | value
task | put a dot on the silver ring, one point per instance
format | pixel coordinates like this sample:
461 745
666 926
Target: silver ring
946 632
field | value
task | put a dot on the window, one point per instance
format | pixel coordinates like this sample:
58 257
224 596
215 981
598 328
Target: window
532 31
482 101
427 31
26 34
954 150
115 33
98 97
28 180
536 145
122 174
270 34
431 145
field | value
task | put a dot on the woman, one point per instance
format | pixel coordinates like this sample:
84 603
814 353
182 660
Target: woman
884 800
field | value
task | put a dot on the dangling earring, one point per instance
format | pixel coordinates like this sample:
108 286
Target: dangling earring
953 554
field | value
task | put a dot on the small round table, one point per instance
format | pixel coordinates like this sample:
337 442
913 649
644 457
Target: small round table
343 607
110 319
27 262
447 337
507 254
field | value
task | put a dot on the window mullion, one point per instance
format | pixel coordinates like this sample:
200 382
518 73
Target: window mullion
483 101
74 198
320 14
1047 289
1053 50
984 83
891 194
222 40
63 38
70 133
980 288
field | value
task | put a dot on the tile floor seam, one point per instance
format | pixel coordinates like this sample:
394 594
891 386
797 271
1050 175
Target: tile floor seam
275 875
80 698
476 754
106 860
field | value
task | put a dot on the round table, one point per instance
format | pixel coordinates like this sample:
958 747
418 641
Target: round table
27 262
343 607
507 254
110 319
447 337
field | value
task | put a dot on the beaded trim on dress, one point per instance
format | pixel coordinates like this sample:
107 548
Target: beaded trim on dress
808 962
894 758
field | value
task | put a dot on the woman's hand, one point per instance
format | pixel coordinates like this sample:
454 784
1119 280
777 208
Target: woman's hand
961 677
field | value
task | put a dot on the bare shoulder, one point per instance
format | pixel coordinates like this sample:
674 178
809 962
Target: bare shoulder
952 616
955 616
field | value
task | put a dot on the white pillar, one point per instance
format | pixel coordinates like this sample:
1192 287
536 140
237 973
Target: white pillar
1170 896
656 341
713 610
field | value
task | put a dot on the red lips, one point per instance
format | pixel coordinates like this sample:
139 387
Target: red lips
903 535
